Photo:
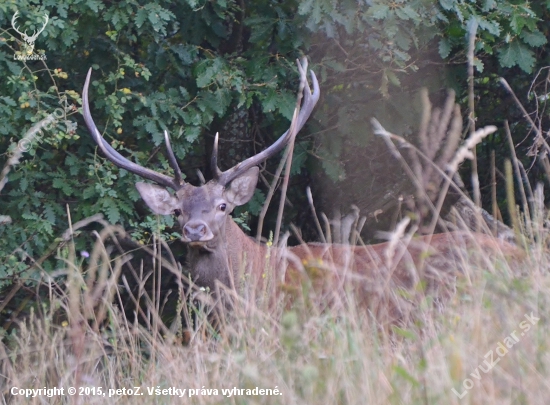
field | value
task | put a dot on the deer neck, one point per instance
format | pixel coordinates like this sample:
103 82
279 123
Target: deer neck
235 256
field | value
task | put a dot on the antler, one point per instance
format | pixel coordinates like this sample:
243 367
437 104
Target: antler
175 183
223 178
297 123
35 35
13 19
27 38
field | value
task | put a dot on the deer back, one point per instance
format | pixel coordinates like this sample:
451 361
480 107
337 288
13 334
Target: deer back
385 277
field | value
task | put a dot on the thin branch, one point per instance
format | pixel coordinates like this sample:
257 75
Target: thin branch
285 179
539 138
269 195
302 66
471 107
316 219
518 177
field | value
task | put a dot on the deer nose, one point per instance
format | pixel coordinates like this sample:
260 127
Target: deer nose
195 231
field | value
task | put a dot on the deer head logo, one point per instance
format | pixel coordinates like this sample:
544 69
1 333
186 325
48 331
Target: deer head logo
28 46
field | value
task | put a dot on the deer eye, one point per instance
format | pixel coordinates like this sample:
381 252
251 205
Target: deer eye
177 212
222 207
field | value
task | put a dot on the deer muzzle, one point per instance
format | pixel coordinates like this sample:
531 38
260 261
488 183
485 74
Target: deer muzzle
196 231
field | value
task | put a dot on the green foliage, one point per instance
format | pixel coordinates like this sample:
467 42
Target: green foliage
242 220
388 33
187 66
510 28
153 225
156 66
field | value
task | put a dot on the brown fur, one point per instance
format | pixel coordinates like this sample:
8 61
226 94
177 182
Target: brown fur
381 278
387 279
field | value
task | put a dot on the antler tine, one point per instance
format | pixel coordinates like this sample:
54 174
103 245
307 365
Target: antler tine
309 101
113 155
36 34
172 159
216 172
13 19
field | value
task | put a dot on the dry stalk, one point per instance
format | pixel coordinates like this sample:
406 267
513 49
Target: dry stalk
302 67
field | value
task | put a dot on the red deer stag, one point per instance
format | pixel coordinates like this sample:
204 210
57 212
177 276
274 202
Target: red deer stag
217 248
219 251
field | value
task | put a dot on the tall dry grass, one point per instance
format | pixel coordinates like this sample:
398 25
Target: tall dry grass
80 338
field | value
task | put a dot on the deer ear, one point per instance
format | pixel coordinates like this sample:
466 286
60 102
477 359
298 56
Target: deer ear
241 189
157 198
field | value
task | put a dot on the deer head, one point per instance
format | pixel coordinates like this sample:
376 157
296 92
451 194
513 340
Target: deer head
29 39
203 212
